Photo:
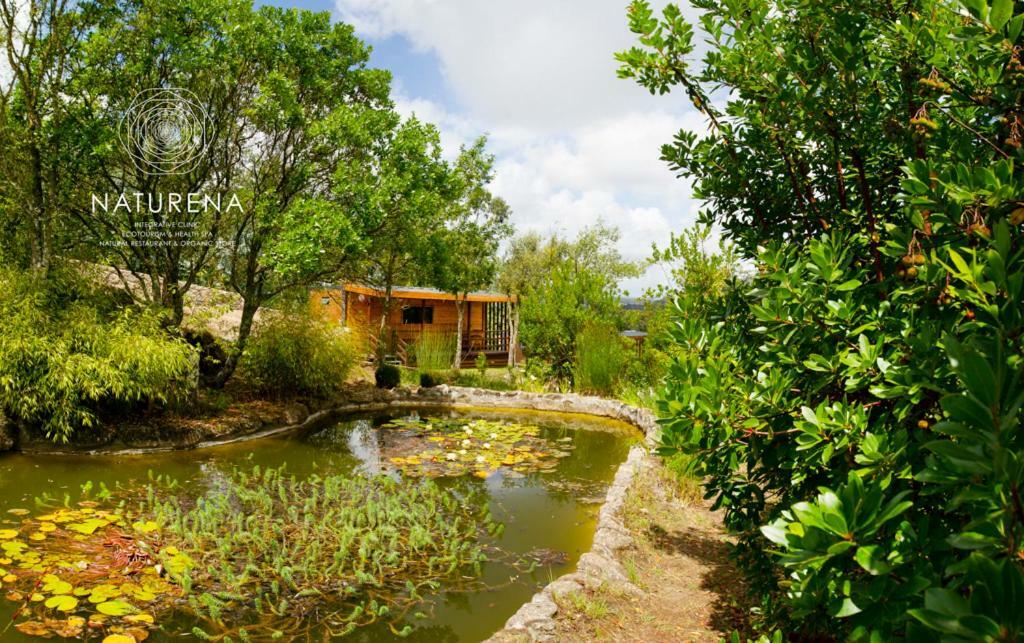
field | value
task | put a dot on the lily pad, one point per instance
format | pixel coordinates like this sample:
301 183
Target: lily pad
62 603
115 608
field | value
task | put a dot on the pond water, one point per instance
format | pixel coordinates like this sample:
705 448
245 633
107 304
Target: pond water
549 516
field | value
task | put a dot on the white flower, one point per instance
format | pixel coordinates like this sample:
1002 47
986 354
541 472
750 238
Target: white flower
469 431
451 456
465 427
462 451
494 436
479 459
487 445
465 443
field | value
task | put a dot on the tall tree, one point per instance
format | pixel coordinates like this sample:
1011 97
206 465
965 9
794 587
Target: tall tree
40 44
463 253
405 192
522 266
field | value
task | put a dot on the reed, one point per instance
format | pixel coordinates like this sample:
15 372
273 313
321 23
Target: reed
435 351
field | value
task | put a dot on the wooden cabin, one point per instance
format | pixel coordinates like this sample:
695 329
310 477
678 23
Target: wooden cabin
416 310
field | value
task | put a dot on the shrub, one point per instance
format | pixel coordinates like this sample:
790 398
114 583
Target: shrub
434 350
428 380
600 359
481 364
387 376
856 407
67 354
298 355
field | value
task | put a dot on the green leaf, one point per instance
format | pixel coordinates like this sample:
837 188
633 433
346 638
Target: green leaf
1001 12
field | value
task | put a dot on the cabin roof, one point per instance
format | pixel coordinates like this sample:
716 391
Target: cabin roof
421 292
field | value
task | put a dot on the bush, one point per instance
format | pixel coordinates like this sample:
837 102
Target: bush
856 407
299 355
429 380
387 376
68 353
600 359
434 351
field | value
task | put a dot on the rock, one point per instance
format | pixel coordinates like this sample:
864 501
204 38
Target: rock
295 413
565 585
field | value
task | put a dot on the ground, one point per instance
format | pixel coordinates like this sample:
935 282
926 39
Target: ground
692 591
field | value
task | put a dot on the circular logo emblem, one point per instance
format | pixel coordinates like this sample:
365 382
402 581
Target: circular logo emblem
164 131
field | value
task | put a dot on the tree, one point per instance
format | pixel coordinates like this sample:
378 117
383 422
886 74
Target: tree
311 106
41 40
580 284
403 191
463 253
522 266
856 406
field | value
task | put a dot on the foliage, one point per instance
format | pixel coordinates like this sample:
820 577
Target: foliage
435 447
67 353
580 286
428 380
434 350
855 407
600 359
294 354
360 549
387 376
119 591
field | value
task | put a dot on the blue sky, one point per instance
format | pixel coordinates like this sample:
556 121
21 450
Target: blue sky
574 145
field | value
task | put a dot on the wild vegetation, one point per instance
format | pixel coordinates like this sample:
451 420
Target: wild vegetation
855 405
357 550
317 176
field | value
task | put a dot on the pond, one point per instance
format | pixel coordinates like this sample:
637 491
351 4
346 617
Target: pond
542 498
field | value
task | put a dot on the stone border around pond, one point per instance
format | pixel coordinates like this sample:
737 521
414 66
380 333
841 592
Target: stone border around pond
597 568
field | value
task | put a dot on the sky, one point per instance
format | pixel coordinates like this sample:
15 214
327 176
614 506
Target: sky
574 144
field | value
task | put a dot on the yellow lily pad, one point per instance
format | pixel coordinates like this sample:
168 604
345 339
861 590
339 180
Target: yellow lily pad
89 526
115 608
7 534
63 603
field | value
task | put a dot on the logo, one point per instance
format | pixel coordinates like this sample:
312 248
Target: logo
164 131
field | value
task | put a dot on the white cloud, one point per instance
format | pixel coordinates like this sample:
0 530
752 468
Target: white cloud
574 143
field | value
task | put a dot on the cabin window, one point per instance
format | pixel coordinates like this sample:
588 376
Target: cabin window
324 301
418 315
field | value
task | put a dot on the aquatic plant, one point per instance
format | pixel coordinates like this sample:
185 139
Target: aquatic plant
82 571
251 559
435 351
267 549
436 447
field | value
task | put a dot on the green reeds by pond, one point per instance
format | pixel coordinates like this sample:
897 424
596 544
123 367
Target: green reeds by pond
435 351
268 548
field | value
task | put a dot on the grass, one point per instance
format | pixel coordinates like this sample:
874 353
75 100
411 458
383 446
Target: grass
592 607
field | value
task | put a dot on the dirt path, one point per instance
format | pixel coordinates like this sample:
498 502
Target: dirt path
692 591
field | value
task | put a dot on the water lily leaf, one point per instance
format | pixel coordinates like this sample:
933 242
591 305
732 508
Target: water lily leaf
118 638
145 526
47 526
18 512
63 603
37 598
115 608
7 534
139 618
37 536
89 526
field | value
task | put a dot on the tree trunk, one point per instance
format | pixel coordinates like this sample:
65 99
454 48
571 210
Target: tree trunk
249 308
513 336
382 350
458 335
40 255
